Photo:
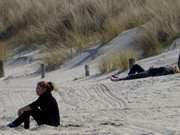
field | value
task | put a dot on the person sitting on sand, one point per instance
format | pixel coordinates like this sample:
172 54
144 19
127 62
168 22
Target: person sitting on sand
137 72
44 110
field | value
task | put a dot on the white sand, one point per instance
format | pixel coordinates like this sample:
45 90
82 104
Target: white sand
97 106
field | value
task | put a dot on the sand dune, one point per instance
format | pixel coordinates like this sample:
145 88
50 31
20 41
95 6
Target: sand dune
95 105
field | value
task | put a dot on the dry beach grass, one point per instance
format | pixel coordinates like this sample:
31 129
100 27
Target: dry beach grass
118 60
80 23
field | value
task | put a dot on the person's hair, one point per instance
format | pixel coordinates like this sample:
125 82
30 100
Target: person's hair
177 70
47 85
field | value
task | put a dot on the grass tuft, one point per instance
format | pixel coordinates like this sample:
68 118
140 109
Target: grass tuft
118 60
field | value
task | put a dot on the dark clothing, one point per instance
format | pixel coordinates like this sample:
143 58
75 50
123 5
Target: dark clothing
137 72
136 76
160 71
37 114
49 107
44 111
136 69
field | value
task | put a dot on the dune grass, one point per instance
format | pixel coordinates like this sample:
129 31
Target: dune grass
3 51
81 23
54 58
55 21
118 60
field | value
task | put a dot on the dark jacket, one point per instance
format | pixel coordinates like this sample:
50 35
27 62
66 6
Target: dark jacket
49 107
160 71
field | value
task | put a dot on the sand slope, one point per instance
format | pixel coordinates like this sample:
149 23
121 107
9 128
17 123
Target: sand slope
138 107
95 105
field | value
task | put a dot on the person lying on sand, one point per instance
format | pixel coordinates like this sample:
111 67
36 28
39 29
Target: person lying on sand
44 110
137 72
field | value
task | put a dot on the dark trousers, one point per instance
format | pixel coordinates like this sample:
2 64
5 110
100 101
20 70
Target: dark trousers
137 76
136 72
25 117
136 69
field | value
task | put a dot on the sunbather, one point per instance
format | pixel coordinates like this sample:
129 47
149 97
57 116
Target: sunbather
137 72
